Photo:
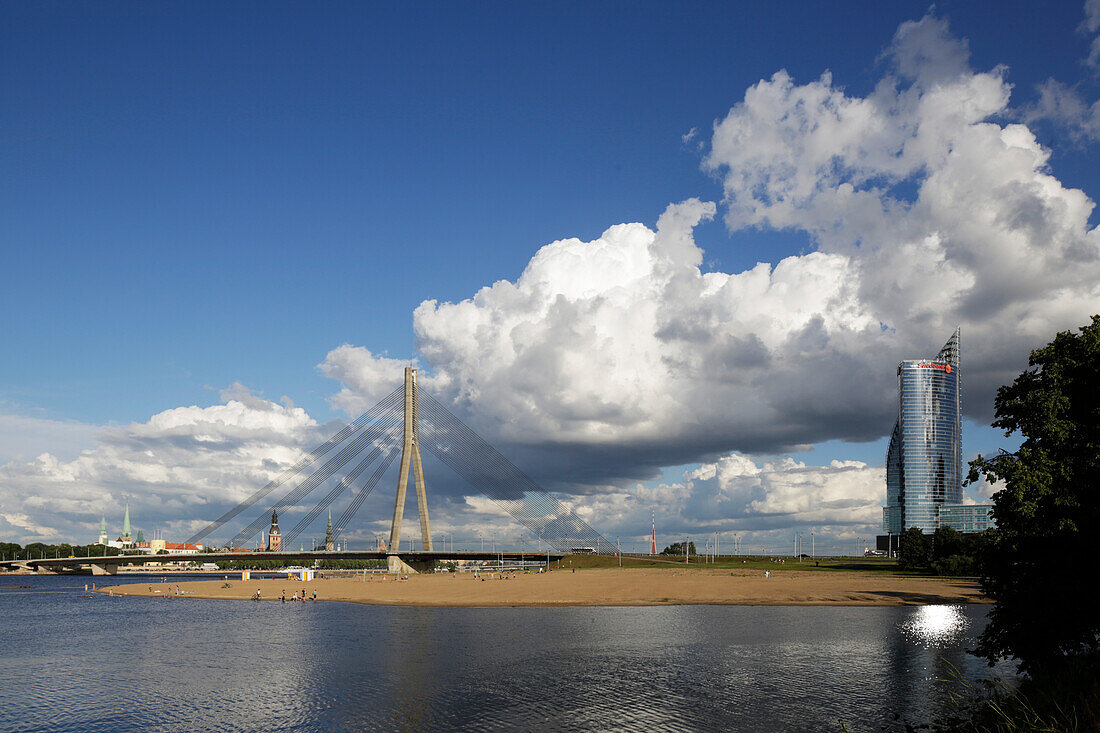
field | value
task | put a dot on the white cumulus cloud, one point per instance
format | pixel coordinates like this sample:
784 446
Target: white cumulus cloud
178 471
606 359
760 502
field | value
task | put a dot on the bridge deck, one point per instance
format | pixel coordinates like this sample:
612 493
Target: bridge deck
289 557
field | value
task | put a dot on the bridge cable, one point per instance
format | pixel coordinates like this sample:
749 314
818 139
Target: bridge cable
344 484
331 466
384 404
487 470
544 514
366 436
363 493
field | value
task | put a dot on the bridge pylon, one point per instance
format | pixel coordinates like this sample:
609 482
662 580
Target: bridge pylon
410 458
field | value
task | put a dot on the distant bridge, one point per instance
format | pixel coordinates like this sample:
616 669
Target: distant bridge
417 561
398 425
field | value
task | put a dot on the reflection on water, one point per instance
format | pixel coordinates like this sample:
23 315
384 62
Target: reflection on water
115 664
934 626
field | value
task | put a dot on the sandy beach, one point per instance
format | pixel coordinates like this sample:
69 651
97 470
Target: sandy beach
594 587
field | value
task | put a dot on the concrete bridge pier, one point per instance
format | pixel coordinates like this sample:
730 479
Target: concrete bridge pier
410 459
103 569
399 565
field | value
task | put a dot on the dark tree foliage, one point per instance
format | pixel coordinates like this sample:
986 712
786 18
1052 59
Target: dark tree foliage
945 552
347 564
251 564
914 549
1038 571
954 553
11 550
677 548
947 542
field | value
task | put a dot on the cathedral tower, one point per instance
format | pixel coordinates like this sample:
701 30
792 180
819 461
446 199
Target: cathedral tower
274 539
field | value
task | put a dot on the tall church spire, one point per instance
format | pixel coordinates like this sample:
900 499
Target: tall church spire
126 524
329 544
274 537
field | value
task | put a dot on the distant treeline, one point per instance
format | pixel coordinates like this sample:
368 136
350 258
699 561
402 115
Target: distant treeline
246 563
350 564
946 551
13 551
677 548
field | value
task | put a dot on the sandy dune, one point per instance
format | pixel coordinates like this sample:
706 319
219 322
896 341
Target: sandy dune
596 587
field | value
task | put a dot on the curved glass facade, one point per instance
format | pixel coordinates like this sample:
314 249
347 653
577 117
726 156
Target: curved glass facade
924 461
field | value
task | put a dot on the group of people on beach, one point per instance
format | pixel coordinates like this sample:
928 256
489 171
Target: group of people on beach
295 597
492 576
383 578
170 592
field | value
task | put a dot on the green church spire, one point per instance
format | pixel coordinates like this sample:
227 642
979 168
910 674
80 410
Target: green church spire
126 523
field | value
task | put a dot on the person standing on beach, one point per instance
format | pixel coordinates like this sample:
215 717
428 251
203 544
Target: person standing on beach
284 595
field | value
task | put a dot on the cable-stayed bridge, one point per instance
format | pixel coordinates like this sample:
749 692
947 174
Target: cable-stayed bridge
354 460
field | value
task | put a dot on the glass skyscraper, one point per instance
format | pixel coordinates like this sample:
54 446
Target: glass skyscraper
924 461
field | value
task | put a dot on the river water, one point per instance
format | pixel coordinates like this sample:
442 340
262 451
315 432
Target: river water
104 664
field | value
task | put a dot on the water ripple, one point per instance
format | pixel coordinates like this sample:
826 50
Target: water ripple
113 664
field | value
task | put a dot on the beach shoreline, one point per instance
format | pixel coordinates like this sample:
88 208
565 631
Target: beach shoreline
589 587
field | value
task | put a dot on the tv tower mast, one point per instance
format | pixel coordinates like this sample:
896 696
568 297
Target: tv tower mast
653 537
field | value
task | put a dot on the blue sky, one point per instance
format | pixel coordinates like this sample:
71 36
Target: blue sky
199 194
